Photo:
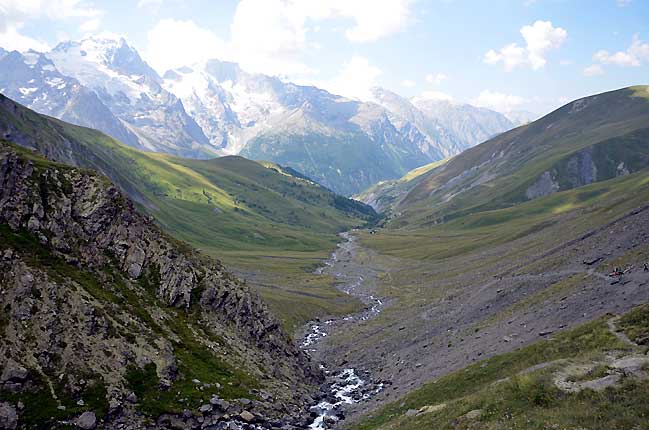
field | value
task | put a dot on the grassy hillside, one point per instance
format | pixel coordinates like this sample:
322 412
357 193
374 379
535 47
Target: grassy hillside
260 219
529 388
385 194
574 211
589 140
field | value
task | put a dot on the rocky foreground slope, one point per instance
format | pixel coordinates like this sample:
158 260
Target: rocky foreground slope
106 321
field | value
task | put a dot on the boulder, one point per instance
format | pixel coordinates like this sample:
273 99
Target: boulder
8 416
474 414
220 404
87 420
247 416
13 372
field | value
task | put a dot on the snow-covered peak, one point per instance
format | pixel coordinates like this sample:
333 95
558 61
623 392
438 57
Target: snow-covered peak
107 64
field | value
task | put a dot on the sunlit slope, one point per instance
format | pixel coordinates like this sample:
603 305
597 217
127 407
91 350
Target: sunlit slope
589 140
229 203
565 214
386 194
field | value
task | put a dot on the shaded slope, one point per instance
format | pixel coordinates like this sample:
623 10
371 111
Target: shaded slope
99 303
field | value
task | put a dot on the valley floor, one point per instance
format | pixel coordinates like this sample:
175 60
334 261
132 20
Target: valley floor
440 315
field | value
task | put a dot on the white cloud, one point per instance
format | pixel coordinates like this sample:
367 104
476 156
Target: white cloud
407 83
355 80
270 36
435 95
436 78
14 13
144 4
373 20
540 38
623 3
172 43
90 25
634 56
593 70
11 40
497 101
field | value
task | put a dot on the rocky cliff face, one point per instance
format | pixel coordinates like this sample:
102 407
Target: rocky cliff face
103 313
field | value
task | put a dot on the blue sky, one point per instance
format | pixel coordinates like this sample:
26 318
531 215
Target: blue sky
505 54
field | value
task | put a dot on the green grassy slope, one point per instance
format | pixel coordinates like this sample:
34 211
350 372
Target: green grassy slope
584 208
517 390
589 140
256 218
385 194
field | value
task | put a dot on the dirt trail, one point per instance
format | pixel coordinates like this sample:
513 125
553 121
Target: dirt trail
612 326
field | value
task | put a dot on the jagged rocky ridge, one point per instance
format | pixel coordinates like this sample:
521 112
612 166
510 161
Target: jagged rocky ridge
97 302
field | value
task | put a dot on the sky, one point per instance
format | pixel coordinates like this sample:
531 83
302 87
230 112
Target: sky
507 55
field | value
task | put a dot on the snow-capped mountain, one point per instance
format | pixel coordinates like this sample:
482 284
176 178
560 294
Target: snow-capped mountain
227 102
133 92
216 108
307 128
441 143
469 124
32 80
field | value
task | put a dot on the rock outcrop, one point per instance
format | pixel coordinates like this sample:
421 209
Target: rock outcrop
93 292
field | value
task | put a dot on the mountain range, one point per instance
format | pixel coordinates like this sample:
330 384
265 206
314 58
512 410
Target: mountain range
216 108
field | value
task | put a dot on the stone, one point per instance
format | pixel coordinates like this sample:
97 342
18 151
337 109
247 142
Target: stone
474 414
33 224
411 412
87 420
114 406
13 372
221 404
132 397
135 261
80 402
431 408
247 416
205 408
8 416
